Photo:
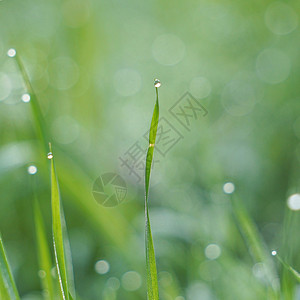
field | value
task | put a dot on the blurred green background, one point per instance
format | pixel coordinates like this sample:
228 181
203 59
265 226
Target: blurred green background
92 65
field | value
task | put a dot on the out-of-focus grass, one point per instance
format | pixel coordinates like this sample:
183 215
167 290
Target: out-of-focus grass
8 288
90 64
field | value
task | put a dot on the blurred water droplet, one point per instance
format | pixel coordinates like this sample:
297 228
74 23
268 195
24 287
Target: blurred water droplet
32 170
274 252
273 66
294 202
131 281
157 83
50 155
42 273
212 251
102 267
113 283
280 18
11 52
228 188
25 98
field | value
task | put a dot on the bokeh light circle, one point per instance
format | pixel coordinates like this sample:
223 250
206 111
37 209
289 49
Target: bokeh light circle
168 49
273 66
280 18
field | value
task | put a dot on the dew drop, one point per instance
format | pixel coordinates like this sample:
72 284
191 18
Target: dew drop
50 155
274 252
157 83
25 98
11 52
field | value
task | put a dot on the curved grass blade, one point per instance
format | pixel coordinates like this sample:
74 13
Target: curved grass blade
36 110
44 256
58 241
8 289
152 284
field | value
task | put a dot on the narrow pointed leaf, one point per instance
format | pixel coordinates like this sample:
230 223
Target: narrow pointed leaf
44 256
8 289
35 107
58 234
152 284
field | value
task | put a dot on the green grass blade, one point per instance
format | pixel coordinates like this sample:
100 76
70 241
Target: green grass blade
289 268
58 241
152 284
36 110
44 256
69 261
8 289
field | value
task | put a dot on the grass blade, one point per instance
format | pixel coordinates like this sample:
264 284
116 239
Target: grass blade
44 256
58 241
152 285
36 110
289 268
8 289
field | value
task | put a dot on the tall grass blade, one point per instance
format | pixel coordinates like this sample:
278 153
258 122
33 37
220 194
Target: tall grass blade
58 241
36 110
8 289
152 284
44 256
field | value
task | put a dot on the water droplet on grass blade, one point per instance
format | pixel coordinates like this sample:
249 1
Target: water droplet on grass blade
274 252
11 52
157 83
50 155
25 98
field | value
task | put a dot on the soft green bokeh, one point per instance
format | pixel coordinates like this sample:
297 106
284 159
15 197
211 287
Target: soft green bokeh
92 65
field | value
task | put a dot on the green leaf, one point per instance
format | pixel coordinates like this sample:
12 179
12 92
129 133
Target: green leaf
58 241
36 110
152 284
44 256
8 289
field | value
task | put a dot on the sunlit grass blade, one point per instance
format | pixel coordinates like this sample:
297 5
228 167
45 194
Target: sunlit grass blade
152 284
58 241
255 242
36 110
44 256
8 289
